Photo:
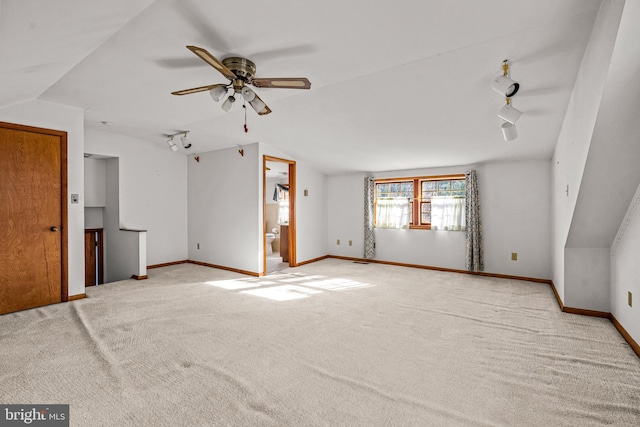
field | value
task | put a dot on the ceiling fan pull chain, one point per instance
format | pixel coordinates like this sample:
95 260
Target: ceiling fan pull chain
246 129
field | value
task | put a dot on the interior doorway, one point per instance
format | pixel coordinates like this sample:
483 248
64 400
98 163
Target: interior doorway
279 213
93 257
33 214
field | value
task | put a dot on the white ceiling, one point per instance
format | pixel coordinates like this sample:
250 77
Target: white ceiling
395 85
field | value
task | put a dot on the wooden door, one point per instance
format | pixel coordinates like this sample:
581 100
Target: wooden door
93 257
33 268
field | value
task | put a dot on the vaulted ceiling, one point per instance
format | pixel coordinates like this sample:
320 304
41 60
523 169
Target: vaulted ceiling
395 85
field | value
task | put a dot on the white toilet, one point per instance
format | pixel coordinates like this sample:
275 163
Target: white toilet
270 238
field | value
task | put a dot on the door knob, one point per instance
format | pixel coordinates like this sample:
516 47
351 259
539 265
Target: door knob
54 228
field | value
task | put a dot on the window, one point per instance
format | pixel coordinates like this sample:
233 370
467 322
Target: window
435 202
394 204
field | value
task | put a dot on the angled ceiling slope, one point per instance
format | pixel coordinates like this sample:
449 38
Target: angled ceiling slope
392 87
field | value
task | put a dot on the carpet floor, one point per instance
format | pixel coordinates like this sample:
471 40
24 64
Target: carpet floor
328 343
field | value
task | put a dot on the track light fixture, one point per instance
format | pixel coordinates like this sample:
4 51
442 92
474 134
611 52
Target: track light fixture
509 131
503 84
172 145
183 139
507 88
509 113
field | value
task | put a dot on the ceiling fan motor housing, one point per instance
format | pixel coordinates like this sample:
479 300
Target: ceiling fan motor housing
241 67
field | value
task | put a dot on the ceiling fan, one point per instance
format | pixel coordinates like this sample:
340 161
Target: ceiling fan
241 73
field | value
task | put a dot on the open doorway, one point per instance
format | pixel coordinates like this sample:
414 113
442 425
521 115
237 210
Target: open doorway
279 222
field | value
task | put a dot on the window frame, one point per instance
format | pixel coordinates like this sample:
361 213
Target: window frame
416 202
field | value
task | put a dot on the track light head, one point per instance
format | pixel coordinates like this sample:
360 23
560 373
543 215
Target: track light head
509 131
509 114
172 145
183 139
505 86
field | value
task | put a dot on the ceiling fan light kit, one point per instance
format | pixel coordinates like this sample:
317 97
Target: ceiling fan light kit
507 87
241 72
227 105
218 92
248 94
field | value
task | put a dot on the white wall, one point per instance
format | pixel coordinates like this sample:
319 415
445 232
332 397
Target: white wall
311 213
95 185
515 212
71 120
574 140
625 270
516 217
95 188
223 209
152 192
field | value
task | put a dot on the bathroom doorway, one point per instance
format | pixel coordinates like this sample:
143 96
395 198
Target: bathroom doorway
279 221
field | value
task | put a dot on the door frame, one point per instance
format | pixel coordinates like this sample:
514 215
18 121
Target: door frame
64 241
292 210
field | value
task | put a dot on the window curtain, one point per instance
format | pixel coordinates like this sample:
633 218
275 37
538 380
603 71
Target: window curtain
283 212
474 257
448 213
369 238
392 213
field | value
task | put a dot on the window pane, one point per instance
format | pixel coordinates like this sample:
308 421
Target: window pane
425 213
443 193
428 185
383 188
444 185
458 185
427 195
459 193
394 187
407 186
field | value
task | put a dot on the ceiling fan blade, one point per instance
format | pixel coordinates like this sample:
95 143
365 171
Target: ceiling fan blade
211 60
259 105
196 89
283 83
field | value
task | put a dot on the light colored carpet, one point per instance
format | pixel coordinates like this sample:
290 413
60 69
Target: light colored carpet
329 343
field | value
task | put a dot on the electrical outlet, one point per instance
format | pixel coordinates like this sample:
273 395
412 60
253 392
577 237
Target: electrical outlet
514 256
338 242
350 242
630 299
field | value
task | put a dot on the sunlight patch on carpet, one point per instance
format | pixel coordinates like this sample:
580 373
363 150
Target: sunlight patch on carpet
282 293
279 287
